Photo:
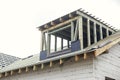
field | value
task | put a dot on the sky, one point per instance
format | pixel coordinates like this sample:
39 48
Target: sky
19 20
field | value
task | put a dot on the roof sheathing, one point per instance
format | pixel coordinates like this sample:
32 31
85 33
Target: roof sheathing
70 16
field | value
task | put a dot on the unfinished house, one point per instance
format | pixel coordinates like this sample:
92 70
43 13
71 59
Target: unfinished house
76 46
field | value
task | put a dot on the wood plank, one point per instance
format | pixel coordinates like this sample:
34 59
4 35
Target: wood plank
81 32
70 16
103 49
19 71
27 69
1 75
51 63
42 66
61 20
61 24
11 72
6 73
52 23
85 55
61 61
34 68
77 58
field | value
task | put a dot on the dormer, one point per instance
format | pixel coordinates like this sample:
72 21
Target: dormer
76 31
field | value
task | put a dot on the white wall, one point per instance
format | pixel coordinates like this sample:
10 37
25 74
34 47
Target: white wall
71 70
108 64
90 69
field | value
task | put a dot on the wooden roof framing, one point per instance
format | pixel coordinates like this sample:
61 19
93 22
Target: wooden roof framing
115 38
71 16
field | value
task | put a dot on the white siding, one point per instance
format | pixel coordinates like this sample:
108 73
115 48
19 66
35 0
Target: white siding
82 70
108 64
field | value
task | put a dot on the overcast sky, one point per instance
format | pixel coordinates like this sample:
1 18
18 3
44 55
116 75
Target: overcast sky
19 19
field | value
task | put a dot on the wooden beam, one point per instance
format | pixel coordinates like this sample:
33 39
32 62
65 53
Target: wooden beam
85 55
34 68
42 41
70 16
19 71
61 20
95 34
48 43
52 23
61 43
101 32
27 69
81 32
6 73
11 72
72 31
1 75
42 66
76 30
77 58
46 26
60 25
88 31
51 63
61 61
92 19
106 47
107 32
55 43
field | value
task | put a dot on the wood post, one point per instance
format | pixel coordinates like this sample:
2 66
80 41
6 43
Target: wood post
19 71
88 32
34 68
51 63
77 57
85 55
1 75
27 69
42 66
81 32
6 73
72 31
61 61
11 72
101 33
95 34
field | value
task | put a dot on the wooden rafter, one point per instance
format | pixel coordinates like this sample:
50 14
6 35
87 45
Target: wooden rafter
106 47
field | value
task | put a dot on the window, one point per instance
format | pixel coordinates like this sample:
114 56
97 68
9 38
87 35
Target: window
107 78
59 39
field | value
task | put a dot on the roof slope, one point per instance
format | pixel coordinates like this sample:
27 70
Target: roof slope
34 60
6 60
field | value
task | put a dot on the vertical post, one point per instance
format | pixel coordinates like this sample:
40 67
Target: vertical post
107 32
41 44
101 33
95 34
48 43
88 31
55 43
61 43
45 42
76 30
68 43
81 32
72 31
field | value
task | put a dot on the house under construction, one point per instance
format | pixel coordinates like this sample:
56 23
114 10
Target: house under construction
76 46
